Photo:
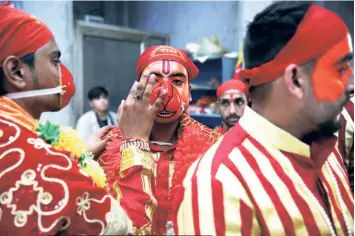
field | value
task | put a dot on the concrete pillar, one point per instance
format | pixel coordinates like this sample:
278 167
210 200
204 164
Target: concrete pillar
58 15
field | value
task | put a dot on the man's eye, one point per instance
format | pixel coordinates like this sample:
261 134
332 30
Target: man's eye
225 103
177 82
343 69
239 101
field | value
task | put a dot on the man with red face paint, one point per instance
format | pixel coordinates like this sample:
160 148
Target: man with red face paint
148 161
278 170
232 100
42 190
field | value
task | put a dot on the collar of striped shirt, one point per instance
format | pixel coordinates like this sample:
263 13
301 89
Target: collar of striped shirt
267 133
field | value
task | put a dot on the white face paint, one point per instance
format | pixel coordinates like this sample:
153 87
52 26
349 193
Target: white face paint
165 68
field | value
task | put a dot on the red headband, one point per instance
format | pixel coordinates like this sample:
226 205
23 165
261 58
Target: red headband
157 53
319 30
21 33
232 84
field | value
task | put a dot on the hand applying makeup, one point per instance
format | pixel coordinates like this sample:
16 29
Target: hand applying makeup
137 113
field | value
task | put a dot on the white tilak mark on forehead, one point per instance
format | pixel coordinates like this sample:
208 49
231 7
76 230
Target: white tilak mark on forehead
165 68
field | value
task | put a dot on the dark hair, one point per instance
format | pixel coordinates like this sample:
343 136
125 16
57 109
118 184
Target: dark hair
270 31
97 92
28 59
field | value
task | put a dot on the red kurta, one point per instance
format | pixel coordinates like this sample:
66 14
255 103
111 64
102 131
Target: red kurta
42 191
147 195
260 180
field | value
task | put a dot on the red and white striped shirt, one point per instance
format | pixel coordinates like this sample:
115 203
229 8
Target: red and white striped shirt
259 179
346 139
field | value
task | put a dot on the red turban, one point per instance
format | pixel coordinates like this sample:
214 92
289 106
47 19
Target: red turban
232 84
319 30
162 52
20 33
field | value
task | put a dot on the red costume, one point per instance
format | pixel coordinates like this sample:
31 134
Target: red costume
42 190
146 185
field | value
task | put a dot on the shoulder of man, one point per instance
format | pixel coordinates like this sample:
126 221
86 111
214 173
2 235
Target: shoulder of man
191 126
88 114
210 178
87 117
113 114
218 153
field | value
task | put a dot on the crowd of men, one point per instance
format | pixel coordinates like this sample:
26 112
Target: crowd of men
278 167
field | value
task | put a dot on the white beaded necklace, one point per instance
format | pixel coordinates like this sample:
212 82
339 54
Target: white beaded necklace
322 211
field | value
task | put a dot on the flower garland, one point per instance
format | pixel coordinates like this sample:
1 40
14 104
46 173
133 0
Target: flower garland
67 139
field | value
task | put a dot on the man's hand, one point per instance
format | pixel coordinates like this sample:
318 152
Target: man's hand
95 144
135 114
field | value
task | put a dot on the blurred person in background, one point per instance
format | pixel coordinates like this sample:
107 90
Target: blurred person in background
232 100
99 116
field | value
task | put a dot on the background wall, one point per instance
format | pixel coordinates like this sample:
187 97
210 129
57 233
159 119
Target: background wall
190 21
187 21
115 13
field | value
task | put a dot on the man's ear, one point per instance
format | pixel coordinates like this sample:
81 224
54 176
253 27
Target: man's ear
295 81
14 72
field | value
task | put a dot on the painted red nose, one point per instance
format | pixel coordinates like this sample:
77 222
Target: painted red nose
172 101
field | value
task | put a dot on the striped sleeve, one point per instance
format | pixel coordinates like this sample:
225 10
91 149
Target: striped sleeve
210 206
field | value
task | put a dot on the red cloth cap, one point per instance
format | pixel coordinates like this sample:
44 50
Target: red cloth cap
232 84
163 52
319 30
21 33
